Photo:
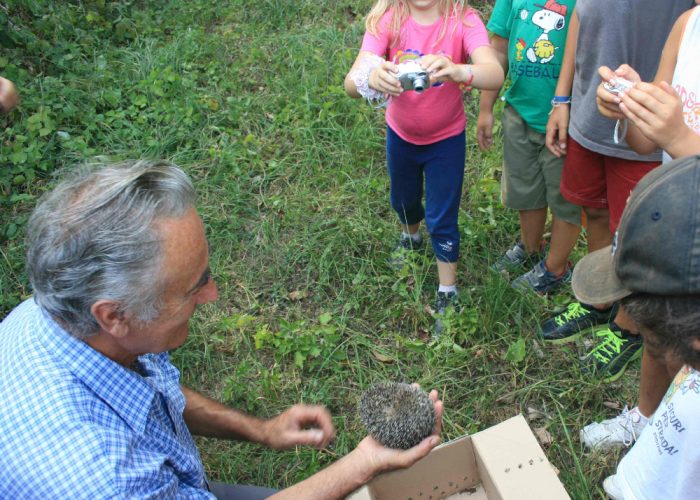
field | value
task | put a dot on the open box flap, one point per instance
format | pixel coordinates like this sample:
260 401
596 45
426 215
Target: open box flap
448 469
512 464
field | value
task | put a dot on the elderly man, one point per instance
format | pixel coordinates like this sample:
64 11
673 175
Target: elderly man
90 405
653 268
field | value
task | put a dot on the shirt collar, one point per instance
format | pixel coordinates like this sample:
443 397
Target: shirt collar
126 392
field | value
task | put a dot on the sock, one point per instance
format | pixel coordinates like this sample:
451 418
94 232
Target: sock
447 288
637 416
415 236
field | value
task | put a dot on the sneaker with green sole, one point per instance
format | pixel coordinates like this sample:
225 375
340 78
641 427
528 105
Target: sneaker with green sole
616 350
574 321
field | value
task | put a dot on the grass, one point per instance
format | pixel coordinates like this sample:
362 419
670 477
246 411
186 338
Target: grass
247 97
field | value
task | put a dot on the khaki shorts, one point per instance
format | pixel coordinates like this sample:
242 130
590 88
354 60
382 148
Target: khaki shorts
531 173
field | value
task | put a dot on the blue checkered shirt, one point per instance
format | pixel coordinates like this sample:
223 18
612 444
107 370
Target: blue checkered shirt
75 424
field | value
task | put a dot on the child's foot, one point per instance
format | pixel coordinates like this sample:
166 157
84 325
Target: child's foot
609 359
407 244
539 279
620 431
612 488
444 302
515 259
573 322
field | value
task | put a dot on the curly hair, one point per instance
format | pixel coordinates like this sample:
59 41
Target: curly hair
670 322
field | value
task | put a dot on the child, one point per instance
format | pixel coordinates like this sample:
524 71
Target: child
658 118
599 173
529 39
661 295
425 131
9 98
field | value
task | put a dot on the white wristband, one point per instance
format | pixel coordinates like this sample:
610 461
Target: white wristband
360 77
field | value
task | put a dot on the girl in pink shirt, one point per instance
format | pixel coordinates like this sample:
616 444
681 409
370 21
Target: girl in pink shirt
425 130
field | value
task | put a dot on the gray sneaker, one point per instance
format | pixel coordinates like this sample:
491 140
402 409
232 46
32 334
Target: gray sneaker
540 280
516 258
443 302
403 250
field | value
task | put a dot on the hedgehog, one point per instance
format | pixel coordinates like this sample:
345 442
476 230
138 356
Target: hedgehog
397 415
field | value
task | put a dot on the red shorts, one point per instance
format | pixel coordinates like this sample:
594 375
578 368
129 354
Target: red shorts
595 180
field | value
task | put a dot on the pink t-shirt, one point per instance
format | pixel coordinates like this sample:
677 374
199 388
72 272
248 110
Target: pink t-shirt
438 112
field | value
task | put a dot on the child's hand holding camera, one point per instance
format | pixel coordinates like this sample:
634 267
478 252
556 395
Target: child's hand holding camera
657 111
613 86
654 109
383 78
442 69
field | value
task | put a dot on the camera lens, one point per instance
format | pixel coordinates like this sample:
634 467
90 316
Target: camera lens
419 85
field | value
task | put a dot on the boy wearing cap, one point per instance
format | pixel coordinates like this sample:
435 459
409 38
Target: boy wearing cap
661 295
529 38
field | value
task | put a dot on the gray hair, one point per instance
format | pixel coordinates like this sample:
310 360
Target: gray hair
94 237
673 321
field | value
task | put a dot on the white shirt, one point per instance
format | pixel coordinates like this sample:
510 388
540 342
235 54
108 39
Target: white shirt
665 461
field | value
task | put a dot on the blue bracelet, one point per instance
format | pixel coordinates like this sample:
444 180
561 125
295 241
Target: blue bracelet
561 99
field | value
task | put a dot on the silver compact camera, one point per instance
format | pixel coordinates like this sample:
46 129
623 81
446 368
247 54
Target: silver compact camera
618 85
412 76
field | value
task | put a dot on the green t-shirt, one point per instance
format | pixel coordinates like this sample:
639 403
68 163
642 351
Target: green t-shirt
536 34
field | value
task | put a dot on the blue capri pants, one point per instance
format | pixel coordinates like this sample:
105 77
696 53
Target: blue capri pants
441 166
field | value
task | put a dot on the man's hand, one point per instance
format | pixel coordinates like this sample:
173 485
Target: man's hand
378 458
9 98
484 130
609 103
299 425
557 130
358 467
384 79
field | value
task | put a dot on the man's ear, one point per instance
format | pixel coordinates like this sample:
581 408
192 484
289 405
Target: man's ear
110 317
695 344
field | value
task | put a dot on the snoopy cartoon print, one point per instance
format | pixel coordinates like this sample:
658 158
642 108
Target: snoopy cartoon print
551 17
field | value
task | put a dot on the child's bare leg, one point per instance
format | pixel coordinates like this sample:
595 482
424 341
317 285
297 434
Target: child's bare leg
532 228
447 273
598 235
598 230
564 238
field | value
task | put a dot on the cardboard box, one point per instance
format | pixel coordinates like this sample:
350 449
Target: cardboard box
502 462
